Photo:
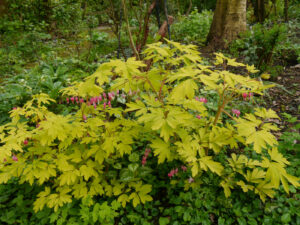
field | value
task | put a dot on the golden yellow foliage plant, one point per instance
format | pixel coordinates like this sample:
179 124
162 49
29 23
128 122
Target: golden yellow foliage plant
79 155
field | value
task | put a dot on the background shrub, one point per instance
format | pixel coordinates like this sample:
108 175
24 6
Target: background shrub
193 28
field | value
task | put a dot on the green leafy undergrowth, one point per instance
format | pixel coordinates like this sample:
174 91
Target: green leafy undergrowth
193 28
260 46
48 78
202 205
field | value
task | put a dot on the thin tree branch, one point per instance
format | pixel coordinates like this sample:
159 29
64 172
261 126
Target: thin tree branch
129 32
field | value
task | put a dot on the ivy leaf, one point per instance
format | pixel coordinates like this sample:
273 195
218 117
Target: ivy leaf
112 174
133 167
134 157
286 218
126 175
144 171
117 166
163 221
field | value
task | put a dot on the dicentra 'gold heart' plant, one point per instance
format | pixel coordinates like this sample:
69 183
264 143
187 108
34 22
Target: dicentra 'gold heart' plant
90 152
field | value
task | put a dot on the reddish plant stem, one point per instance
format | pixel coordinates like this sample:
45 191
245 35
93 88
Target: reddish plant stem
161 87
228 114
146 25
220 110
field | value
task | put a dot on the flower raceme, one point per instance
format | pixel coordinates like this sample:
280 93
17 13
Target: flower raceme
145 156
105 98
174 172
184 168
236 112
144 161
191 180
204 100
25 142
94 101
246 95
15 158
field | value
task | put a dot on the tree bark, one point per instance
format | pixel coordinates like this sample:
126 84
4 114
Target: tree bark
189 9
228 21
136 54
260 7
146 27
286 6
3 7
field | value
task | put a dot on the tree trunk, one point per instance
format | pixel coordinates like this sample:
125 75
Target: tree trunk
2 7
229 20
286 6
260 7
189 9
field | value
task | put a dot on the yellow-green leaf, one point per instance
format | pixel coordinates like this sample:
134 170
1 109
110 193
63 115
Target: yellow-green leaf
207 162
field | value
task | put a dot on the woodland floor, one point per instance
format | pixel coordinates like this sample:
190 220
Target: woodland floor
285 97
